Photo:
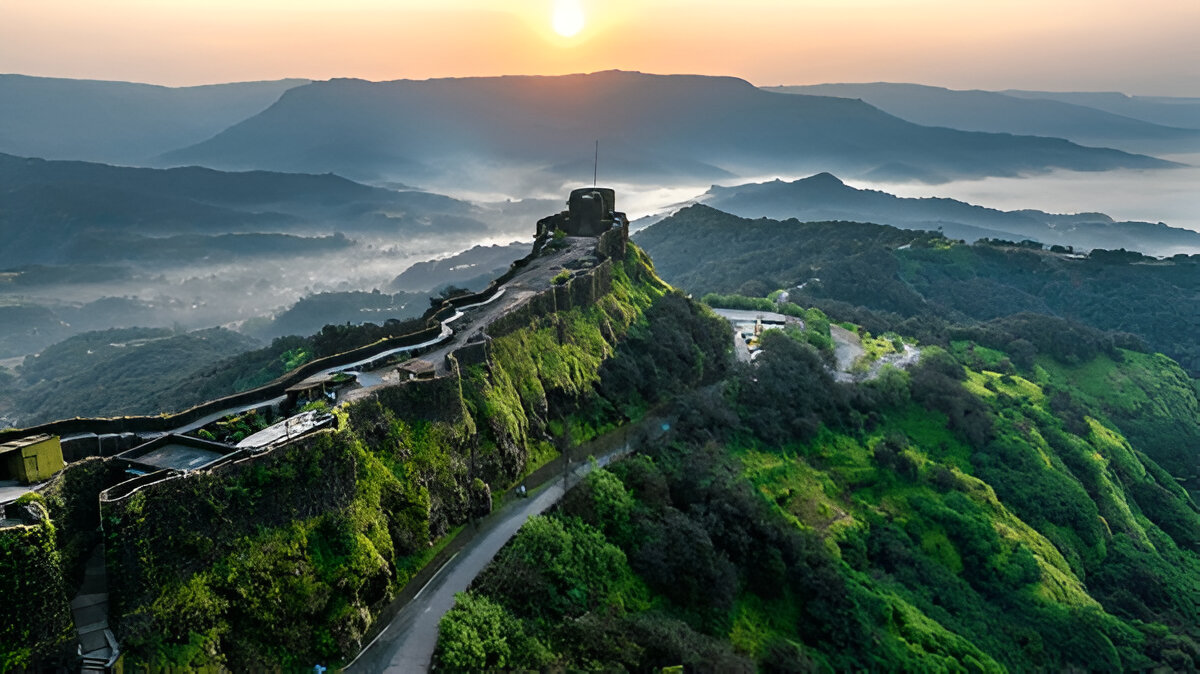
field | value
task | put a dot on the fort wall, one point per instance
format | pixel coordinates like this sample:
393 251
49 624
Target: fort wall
159 526
581 290
35 618
169 524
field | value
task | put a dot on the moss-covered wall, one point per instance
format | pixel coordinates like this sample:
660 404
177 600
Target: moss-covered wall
170 530
583 290
73 500
35 618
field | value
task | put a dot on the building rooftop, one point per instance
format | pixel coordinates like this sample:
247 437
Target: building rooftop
21 443
312 382
179 452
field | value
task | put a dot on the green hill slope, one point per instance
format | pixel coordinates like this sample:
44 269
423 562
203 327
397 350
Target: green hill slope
929 278
971 515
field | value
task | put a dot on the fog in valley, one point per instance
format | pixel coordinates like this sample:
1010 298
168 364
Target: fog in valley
1169 196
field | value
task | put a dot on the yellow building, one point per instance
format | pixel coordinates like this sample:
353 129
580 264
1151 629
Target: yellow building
31 459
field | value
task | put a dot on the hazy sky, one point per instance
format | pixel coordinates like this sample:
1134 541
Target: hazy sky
1143 47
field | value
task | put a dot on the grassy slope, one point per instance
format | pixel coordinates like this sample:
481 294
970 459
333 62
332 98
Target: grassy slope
1055 543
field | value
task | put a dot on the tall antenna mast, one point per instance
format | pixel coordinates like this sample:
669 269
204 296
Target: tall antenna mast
596 163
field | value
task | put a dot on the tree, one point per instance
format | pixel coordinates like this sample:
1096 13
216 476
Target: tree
471 636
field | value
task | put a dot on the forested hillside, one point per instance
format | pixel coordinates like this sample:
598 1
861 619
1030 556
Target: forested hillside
926 277
995 509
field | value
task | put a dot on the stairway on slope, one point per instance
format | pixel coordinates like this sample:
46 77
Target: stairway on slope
89 608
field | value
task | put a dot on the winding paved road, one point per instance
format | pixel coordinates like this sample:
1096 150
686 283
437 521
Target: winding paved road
407 643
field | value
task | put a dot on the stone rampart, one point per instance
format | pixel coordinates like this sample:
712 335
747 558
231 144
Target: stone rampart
582 290
116 426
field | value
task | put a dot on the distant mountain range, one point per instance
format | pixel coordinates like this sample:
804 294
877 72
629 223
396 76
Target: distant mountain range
120 122
539 131
1027 113
1167 110
50 209
823 197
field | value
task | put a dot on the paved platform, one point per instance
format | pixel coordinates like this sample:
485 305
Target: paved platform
11 490
179 457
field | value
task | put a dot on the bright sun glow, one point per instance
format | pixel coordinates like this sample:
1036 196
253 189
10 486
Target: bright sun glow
568 17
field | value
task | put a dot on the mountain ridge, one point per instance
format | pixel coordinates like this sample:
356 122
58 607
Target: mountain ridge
57 200
120 122
1000 112
428 130
823 197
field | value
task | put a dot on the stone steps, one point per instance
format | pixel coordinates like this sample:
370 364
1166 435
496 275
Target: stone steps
89 609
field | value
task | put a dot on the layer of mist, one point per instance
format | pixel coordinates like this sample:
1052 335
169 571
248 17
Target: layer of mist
1153 196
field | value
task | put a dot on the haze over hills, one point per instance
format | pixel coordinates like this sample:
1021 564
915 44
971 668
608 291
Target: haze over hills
669 127
472 268
900 379
47 207
824 197
120 122
1175 111
87 246
998 112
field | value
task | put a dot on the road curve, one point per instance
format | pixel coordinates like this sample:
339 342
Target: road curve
407 643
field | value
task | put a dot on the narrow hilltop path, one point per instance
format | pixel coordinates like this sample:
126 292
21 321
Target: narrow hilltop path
847 348
89 610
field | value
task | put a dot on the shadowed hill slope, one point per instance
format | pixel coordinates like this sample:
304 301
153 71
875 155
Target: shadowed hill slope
1183 112
46 205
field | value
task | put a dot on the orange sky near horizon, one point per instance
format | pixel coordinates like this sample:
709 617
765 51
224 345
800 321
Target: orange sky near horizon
1149 47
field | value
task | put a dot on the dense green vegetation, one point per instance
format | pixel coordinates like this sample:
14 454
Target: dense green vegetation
286 561
35 619
982 512
930 279
1018 501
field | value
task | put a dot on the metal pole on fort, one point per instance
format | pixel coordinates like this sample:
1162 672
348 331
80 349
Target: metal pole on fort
596 163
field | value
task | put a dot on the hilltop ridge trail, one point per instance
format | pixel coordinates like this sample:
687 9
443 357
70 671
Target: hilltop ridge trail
408 641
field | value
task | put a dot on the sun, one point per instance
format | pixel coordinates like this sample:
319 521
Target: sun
568 17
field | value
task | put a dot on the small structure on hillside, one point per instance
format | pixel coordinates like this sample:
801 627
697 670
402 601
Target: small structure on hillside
591 211
416 369
31 459
317 387
177 452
